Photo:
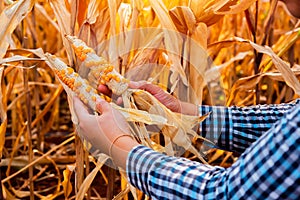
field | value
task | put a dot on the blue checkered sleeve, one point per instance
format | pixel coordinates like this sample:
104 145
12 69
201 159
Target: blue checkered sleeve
236 128
268 169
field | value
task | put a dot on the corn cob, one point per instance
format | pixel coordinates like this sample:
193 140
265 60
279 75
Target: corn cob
70 78
101 72
89 95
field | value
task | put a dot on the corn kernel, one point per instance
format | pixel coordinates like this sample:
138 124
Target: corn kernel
110 68
107 98
102 82
70 70
102 97
107 79
88 89
72 80
103 76
93 98
110 76
87 50
85 101
82 57
124 80
117 78
78 84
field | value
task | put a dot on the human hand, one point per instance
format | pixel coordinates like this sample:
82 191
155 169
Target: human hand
101 130
165 98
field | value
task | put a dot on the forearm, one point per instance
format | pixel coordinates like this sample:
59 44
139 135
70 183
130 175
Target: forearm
269 169
236 128
165 177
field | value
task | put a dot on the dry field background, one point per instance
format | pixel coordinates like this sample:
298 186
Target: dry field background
224 52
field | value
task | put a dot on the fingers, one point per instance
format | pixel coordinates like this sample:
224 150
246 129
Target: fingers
144 85
104 90
136 85
102 106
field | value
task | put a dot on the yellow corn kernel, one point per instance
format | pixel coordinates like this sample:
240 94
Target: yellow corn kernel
117 78
80 96
110 68
107 79
85 101
103 76
93 98
108 99
70 70
110 76
88 89
87 50
62 71
102 82
82 57
79 48
72 80
78 84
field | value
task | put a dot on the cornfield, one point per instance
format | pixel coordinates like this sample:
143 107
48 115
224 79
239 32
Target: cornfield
223 52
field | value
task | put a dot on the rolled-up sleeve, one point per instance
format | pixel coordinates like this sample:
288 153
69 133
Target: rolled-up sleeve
236 128
268 169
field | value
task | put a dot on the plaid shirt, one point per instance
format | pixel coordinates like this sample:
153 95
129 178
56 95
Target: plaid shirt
269 167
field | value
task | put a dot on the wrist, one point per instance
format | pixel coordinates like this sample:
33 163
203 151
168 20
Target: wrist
120 148
188 108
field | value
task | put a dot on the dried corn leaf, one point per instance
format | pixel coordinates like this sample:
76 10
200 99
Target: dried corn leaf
18 58
82 10
247 83
89 179
288 75
67 186
10 18
173 48
63 17
183 19
215 72
3 113
237 7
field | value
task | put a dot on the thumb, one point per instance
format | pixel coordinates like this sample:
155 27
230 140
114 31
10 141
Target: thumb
102 106
80 109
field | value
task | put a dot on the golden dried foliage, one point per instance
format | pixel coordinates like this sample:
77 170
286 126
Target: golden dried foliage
224 52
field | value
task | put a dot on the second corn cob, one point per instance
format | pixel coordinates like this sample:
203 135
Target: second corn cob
101 71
